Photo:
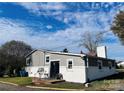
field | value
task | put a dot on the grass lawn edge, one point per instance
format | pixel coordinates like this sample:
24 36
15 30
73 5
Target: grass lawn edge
9 83
51 88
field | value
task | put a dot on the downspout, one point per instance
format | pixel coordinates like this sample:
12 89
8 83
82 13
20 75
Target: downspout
86 68
44 57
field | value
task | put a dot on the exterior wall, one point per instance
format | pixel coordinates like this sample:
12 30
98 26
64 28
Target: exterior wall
106 68
92 61
38 58
32 71
96 73
70 75
77 74
77 60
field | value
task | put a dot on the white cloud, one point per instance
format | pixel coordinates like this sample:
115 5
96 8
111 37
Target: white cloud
85 21
12 30
53 6
49 27
43 8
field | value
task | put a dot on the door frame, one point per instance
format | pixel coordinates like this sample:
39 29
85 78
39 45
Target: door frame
50 65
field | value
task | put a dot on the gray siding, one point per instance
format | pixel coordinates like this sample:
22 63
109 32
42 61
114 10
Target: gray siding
93 61
77 60
38 58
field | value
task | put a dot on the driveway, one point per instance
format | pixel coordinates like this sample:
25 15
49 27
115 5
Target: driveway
7 87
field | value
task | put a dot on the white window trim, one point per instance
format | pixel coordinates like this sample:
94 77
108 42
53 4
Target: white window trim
45 59
27 62
68 62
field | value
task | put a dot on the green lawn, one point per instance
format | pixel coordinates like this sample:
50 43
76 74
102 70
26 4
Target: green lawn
17 80
66 85
109 83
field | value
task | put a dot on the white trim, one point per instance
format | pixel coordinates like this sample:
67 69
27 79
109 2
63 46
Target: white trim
49 51
45 59
27 59
67 64
73 54
55 60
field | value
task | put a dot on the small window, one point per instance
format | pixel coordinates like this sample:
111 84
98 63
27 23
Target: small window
70 64
29 61
110 65
99 64
47 59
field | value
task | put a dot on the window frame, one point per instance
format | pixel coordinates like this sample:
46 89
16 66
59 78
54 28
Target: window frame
68 60
29 63
110 65
101 65
46 59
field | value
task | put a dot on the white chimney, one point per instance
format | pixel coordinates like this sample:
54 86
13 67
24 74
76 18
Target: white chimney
102 51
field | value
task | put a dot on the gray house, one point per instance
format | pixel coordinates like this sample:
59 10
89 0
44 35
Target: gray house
71 67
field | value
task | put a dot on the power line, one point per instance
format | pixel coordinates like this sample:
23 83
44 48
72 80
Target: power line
64 45
76 41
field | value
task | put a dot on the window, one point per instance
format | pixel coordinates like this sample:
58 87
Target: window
113 63
110 65
29 61
69 64
99 64
47 59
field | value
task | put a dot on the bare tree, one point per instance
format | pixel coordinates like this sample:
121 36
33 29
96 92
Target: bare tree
90 40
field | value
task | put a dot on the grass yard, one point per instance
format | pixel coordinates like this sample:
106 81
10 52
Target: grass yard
115 82
17 80
66 85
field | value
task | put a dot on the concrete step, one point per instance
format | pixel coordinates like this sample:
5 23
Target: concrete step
55 81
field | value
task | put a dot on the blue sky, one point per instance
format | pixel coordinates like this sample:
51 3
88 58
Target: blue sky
53 25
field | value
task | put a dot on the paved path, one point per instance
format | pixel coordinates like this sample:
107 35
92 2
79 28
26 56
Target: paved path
119 87
7 87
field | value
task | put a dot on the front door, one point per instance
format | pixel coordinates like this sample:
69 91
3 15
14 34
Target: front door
54 69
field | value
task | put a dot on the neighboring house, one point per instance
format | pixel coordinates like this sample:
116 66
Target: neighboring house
120 63
79 68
